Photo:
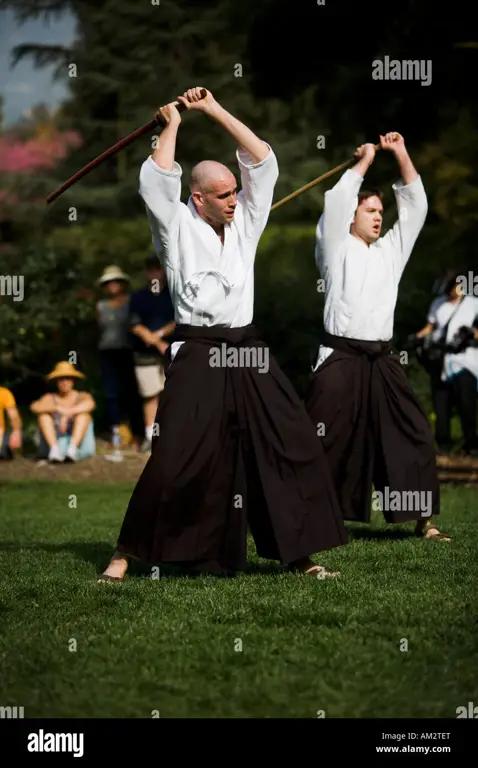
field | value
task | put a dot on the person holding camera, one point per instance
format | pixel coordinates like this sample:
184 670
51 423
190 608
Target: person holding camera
447 347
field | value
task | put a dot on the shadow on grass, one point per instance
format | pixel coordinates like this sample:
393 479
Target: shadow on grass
380 534
99 554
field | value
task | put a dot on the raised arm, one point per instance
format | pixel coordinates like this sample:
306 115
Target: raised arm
411 201
160 185
395 143
257 162
340 204
242 135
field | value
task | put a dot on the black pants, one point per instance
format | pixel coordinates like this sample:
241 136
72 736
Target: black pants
235 448
375 431
460 391
120 389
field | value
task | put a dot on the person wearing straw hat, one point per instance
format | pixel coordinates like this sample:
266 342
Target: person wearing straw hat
116 354
64 417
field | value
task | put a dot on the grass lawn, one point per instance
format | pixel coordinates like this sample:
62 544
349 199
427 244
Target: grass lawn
266 644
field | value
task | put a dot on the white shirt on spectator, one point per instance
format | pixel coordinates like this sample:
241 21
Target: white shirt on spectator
462 313
210 283
361 282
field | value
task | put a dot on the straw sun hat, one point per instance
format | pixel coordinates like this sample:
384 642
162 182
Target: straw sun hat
113 273
65 370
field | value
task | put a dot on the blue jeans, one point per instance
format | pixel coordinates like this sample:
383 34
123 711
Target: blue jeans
120 389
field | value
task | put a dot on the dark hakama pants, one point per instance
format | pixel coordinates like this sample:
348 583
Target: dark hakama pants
235 448
374 431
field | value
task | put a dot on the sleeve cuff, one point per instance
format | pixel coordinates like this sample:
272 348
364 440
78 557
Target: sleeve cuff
245 160
400 186
351 174
177 170
349 183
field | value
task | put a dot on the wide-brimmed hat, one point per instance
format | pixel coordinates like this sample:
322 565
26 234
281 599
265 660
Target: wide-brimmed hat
113 273
65 370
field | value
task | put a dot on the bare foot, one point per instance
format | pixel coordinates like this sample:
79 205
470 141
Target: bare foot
307 566
427 530
117 567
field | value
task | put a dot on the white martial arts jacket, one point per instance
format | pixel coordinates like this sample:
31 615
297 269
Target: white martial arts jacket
464 313
210 283
361 282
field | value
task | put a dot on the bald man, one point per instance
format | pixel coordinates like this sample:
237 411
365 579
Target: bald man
234 446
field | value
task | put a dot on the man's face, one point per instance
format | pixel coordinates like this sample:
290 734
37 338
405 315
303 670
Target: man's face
367 223
218 204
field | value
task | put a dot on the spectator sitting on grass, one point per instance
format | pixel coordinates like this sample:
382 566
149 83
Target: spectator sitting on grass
64 418
10 439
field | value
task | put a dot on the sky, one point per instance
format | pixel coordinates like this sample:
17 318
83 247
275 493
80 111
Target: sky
24 86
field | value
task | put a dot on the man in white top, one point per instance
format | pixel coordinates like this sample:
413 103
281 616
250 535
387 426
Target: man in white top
235 446
375 430
452 324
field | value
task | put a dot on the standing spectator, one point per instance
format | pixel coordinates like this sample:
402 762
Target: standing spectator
11 438
116 355
452 331
151 319
64 418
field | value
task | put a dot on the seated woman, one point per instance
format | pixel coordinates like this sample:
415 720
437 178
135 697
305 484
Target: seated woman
64 418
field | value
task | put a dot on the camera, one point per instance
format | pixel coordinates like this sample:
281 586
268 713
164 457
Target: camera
463 338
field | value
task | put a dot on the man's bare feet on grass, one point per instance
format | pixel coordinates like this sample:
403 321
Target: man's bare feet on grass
117 568
307 566
425 529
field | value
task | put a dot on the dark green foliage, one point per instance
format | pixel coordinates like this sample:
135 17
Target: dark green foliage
292 71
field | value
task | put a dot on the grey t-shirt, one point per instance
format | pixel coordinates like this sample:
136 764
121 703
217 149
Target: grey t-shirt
114 326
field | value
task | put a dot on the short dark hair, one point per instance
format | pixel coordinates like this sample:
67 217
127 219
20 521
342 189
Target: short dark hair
452 281
152 261
365 193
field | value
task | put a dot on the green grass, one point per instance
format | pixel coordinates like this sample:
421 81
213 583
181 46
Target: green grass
169 644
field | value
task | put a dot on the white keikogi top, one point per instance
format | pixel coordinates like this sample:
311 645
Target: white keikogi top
361 282
210 283
465 312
